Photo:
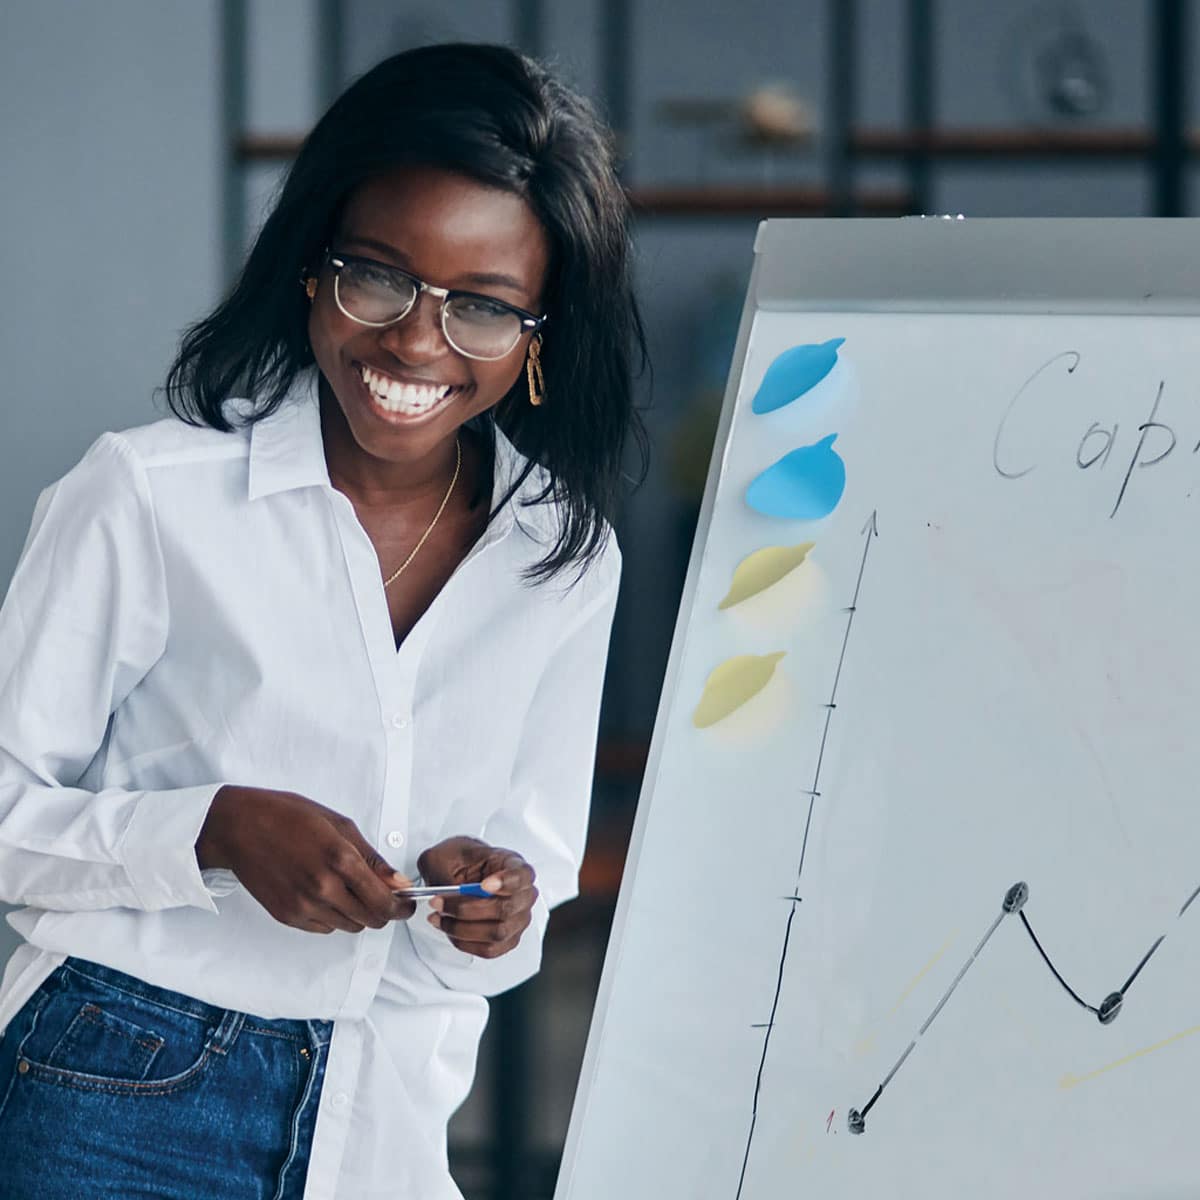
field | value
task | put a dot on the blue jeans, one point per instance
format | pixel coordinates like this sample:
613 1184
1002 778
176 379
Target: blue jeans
113 1088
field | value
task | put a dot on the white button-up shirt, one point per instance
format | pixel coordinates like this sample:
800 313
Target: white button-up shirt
193 608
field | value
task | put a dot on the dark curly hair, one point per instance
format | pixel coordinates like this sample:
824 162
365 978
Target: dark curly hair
501 118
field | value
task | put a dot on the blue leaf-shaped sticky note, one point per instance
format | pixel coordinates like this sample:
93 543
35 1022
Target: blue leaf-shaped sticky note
793 373
803 485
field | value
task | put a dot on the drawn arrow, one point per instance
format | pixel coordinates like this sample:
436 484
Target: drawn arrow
870 532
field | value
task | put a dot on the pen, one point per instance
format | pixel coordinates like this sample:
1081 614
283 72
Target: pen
454 889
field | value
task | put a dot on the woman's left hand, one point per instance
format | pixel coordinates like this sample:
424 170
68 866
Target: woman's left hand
485 928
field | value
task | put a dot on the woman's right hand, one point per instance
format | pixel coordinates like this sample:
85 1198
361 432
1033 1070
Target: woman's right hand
307 865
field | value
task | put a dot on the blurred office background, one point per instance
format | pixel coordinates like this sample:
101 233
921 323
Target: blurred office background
142 139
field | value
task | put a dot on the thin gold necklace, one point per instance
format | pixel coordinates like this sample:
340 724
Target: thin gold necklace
441 509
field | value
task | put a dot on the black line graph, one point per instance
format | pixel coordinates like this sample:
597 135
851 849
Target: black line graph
1014 903
870 531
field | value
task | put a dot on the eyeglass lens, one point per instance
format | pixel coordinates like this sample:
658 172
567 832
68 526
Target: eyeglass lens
472 325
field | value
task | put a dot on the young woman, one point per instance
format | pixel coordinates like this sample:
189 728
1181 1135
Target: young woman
341 626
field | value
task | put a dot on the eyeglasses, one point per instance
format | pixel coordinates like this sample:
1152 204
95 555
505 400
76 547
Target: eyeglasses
376 294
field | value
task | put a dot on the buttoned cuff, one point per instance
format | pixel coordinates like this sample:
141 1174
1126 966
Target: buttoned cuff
219 881
158 850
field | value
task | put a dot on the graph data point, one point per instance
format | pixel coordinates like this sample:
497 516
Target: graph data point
1015 897
1109 1007
856 1122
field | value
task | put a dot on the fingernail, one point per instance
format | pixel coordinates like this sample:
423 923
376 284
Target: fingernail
437 903
401 880
493 883
435 920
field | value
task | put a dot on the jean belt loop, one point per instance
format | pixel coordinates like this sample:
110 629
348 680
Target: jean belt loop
227 1031
320 1033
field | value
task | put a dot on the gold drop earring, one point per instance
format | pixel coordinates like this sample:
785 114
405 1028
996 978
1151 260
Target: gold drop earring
310 286
533 366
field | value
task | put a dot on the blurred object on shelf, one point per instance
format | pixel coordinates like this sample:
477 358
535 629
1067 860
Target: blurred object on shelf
772 118
1074 81
1059 70
776 114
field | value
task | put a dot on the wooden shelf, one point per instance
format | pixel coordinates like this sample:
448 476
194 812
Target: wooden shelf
870 143
266 147
689 201
1009 143
727 201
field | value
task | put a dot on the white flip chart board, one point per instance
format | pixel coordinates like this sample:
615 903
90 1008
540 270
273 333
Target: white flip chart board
983 671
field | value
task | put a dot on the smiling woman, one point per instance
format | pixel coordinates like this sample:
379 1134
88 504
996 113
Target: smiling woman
473 165
361 583
402 370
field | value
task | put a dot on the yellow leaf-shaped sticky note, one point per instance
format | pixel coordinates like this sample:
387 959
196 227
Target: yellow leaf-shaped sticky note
733 683
763 568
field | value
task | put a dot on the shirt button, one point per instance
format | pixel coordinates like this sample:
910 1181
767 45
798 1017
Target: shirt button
339 1099
399 721
395 839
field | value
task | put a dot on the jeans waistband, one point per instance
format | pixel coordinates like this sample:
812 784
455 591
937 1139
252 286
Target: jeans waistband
228 1022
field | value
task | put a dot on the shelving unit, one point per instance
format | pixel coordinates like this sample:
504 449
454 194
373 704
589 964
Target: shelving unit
1165 149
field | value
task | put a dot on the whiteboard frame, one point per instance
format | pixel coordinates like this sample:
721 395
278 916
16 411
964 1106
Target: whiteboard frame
1130 265
1137 266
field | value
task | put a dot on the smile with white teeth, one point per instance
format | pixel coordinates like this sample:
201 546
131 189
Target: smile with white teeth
408 398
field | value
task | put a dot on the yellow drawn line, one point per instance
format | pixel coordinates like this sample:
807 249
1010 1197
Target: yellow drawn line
866 1044
1070 1081
908 991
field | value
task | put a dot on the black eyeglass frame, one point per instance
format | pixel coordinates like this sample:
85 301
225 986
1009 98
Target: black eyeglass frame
529 322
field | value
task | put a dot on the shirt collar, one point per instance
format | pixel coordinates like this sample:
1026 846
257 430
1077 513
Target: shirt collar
287 451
